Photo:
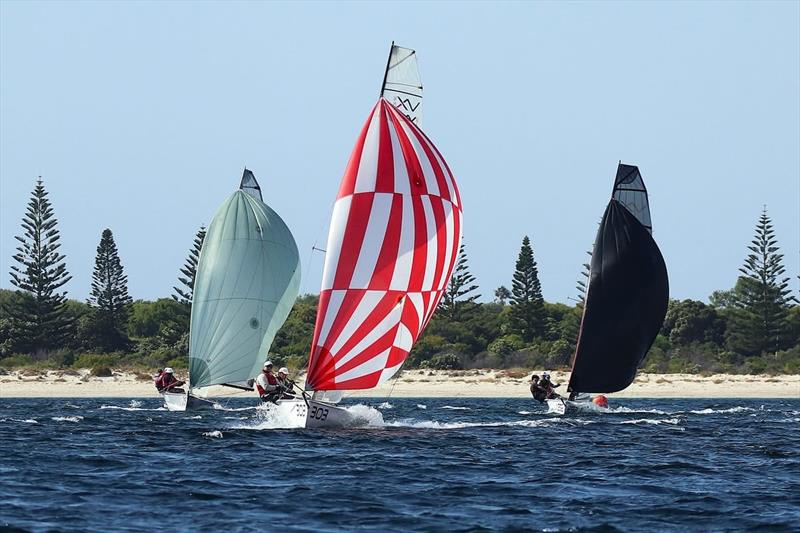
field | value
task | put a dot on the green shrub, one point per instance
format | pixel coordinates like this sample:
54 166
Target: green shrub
443 361
91 360
101 371
16 360
179 362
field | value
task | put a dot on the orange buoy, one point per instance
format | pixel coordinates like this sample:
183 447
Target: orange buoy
600 401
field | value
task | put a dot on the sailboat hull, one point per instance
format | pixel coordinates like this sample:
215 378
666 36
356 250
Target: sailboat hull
297 413
184 401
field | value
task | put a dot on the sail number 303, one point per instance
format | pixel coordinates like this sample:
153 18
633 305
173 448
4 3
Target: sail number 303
318 413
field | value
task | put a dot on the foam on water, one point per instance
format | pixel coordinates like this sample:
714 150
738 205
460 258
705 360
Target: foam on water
213 434
421 406
67 418
456 408
653 421
737 409
162 408
385 405
25 421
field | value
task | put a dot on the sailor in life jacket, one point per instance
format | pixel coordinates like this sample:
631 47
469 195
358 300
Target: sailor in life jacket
285 384
549 386
267 384
167 382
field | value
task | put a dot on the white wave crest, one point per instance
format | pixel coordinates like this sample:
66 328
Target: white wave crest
434 424
25 421
456 408
213 434
135 403
524 412
131 408
653 421
196 417
622 409
421 406
710 411
385 405
67 418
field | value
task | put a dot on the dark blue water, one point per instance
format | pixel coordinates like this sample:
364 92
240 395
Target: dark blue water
423 465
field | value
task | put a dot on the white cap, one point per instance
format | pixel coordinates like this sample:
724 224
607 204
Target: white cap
283 370
267 363
168 370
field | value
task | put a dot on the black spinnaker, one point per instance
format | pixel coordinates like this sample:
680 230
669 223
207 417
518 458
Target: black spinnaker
628 292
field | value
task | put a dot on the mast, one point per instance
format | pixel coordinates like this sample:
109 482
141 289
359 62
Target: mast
386 72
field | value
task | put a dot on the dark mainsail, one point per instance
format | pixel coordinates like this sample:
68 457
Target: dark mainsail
628 292
250 185
629 190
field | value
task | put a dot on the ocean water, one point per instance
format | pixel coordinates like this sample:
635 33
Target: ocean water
419 465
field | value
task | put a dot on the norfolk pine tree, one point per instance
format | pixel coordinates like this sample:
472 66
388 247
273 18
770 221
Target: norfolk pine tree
189 270
761 297
41 322
109 296
526 316
456 305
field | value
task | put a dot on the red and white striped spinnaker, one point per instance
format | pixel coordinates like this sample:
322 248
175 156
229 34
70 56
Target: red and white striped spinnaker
393 241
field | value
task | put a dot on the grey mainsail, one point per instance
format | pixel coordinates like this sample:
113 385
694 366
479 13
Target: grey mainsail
402 84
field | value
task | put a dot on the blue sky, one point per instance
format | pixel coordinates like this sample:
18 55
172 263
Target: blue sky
140 116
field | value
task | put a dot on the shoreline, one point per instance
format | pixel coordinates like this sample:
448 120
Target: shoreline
412 384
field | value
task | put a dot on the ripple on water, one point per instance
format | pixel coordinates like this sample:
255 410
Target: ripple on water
457 465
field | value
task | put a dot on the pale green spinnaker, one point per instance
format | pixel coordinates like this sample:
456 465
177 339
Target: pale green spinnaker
247 281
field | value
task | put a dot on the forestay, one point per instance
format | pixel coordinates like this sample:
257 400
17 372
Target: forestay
393 241
247 280
627 296
402 84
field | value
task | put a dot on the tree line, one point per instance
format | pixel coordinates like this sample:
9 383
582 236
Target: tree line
753 327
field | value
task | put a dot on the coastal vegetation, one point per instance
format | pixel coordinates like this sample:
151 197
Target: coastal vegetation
753 327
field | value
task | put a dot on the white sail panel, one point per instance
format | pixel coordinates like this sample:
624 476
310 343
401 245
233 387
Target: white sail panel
402 86
394 251
248 277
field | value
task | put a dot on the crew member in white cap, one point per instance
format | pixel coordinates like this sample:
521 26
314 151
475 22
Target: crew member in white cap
285 383
267 384
167 382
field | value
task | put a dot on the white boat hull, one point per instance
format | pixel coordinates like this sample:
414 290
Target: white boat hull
299 413
184 401
560 406
556 406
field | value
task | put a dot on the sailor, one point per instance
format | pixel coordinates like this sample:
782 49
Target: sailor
267 384
549 386
537 391
284 383
167 382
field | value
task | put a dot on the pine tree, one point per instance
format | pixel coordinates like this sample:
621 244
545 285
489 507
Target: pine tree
501 294
456 303
761 296
41 322
189 270
527 305
583 282
109 296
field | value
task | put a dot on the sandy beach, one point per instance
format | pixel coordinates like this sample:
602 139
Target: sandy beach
414 383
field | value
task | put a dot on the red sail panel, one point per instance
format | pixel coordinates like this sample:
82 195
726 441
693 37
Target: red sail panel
393 242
